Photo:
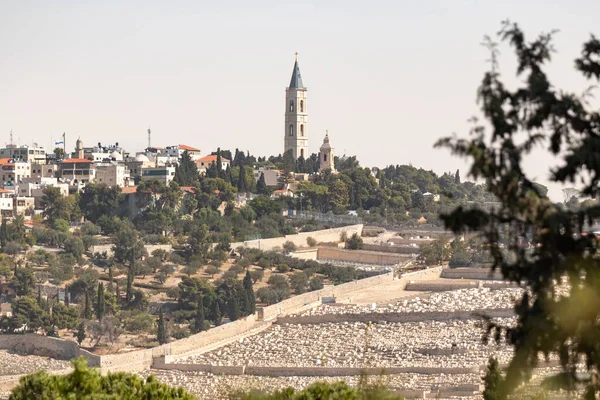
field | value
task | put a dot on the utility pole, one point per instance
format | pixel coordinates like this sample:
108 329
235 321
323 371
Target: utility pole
149 138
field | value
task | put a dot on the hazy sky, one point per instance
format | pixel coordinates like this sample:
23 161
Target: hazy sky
386 78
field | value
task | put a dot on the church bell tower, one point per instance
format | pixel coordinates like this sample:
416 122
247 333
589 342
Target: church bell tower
296 116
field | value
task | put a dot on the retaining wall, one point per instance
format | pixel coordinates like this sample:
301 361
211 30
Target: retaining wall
395 317
46 346
314 298
360 256
101 248
472 273
326 235
308 254
391 249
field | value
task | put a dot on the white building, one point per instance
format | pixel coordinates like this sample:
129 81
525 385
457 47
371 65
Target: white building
13 171
113 175
177 150
164 174
24 153
296 116
205 162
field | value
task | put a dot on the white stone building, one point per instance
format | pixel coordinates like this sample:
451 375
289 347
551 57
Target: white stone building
164 174
13 171
24 153
113 175
296 116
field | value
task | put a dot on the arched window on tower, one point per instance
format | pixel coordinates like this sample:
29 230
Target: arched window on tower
301 129
291 105
302 153
301 105
291 130
325 157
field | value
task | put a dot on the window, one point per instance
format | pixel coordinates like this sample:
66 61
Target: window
291 130
291 105
325 157
301 129
302 153
301 105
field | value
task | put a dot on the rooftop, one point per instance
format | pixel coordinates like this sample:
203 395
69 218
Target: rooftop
188 148
76 160
211 158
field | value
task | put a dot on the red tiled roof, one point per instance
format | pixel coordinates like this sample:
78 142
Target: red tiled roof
129 189
210 159
188 148
6 191
188 189
76 160
5 161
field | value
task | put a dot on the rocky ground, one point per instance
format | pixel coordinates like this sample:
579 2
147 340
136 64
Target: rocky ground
208 386
457 300
16 364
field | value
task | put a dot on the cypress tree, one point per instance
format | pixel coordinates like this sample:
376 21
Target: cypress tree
493 381
100 306
87 313
117 293
219 161
215 313
261 185
110 279
251 303
457 177
233 308
241 184
130 278
199 319
161 333
67 295
3 234
81 333
39 299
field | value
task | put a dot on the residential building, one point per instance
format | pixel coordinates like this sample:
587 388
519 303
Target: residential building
205 162
13 171
296 116
113 175
24 153
100 153
177 150
44 170
34 187
164 174
6 203
77 170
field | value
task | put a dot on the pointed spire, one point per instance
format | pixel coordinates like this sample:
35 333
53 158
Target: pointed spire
296 82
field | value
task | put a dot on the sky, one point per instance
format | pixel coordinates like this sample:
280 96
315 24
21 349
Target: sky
385 78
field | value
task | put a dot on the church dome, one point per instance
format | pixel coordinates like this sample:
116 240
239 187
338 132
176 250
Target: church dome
142 158
326 145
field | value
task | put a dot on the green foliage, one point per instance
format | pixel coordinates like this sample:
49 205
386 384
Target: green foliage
88 383
563 257
299 282
186 171
493 381
97 200
289 247
100 302
355 242
316 283
436 252
249 293
27 311
161 329
81 334
323 391
139 322
311 242
64 317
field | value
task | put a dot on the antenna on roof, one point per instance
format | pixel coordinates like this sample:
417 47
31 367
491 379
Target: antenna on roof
11 138
149 138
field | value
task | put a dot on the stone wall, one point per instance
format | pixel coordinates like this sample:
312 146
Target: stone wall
472 273
360 256
394 317
391 249
306 254
46 346
314 298
326 235
101 248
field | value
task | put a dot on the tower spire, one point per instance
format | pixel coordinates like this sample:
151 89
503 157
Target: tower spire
296 82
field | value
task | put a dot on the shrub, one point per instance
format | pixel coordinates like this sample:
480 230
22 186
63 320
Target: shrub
311 241
316 283
289 247
355 242
257 275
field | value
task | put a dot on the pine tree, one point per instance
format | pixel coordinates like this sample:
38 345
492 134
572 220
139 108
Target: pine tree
233 308
251 303
81 333
457 177
199 318
241 183
161 333
493 381
261 185
100 306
